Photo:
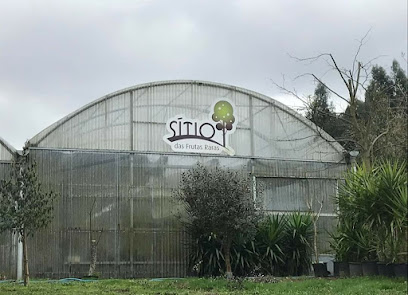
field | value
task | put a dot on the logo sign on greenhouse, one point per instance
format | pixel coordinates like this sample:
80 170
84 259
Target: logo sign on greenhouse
203 136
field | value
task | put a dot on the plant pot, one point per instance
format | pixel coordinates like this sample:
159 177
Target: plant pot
385 270
341 269
320 270
370 268
356 270
401 270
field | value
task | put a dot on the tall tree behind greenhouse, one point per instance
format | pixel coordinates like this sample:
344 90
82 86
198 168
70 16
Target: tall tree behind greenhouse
386 104
381 116
322 112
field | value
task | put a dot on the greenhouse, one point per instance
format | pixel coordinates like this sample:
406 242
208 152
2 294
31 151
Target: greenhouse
8 242
116 162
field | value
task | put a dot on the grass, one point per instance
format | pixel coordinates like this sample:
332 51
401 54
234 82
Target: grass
315 286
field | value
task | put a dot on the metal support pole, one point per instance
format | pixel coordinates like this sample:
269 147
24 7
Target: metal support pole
131 214
117 232
251 126
131 120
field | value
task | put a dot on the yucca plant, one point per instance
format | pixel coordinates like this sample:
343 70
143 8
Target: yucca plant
392 187
269 241
297 243
356 195
244 257
400 209
375 202
206 258
366 245
340 244
356 202
353 242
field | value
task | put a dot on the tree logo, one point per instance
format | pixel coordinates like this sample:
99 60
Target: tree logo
224 114
203 136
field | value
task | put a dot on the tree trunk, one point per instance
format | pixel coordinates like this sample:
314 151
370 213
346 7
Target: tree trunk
315 241
223 133
25 258
365 158
92 265
227 250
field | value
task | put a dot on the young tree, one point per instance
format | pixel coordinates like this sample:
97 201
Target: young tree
93 243
24 206
219 202
315 218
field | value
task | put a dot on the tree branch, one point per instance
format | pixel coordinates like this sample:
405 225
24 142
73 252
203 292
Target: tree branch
324 84
375 140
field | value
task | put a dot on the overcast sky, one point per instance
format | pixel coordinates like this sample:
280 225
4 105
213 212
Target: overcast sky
56 56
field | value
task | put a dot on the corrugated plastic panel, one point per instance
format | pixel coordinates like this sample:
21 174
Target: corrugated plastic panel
294 194
124 200
279 134
105 125
135 118
7 152
8 241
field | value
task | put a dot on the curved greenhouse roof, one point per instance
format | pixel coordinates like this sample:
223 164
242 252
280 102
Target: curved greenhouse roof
7 152
134 119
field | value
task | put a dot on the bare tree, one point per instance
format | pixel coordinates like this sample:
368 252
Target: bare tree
93 243
364 132
315 219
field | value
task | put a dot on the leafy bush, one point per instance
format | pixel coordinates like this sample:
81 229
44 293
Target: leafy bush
372 213
206 258
269 242
281 247
220 207
298 235
244 257
391 179
353 242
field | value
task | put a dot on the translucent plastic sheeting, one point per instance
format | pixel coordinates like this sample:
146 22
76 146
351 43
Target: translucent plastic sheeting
134 119
124 200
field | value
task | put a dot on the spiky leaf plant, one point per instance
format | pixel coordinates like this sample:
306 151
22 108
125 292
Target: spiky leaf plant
298 237
269 242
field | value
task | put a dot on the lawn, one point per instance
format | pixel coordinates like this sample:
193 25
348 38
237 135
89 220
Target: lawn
214 286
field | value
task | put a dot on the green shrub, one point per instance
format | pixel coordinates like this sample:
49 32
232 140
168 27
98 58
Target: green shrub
373 213
281 247
244 256
269 242
206 258
298 236
218 206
